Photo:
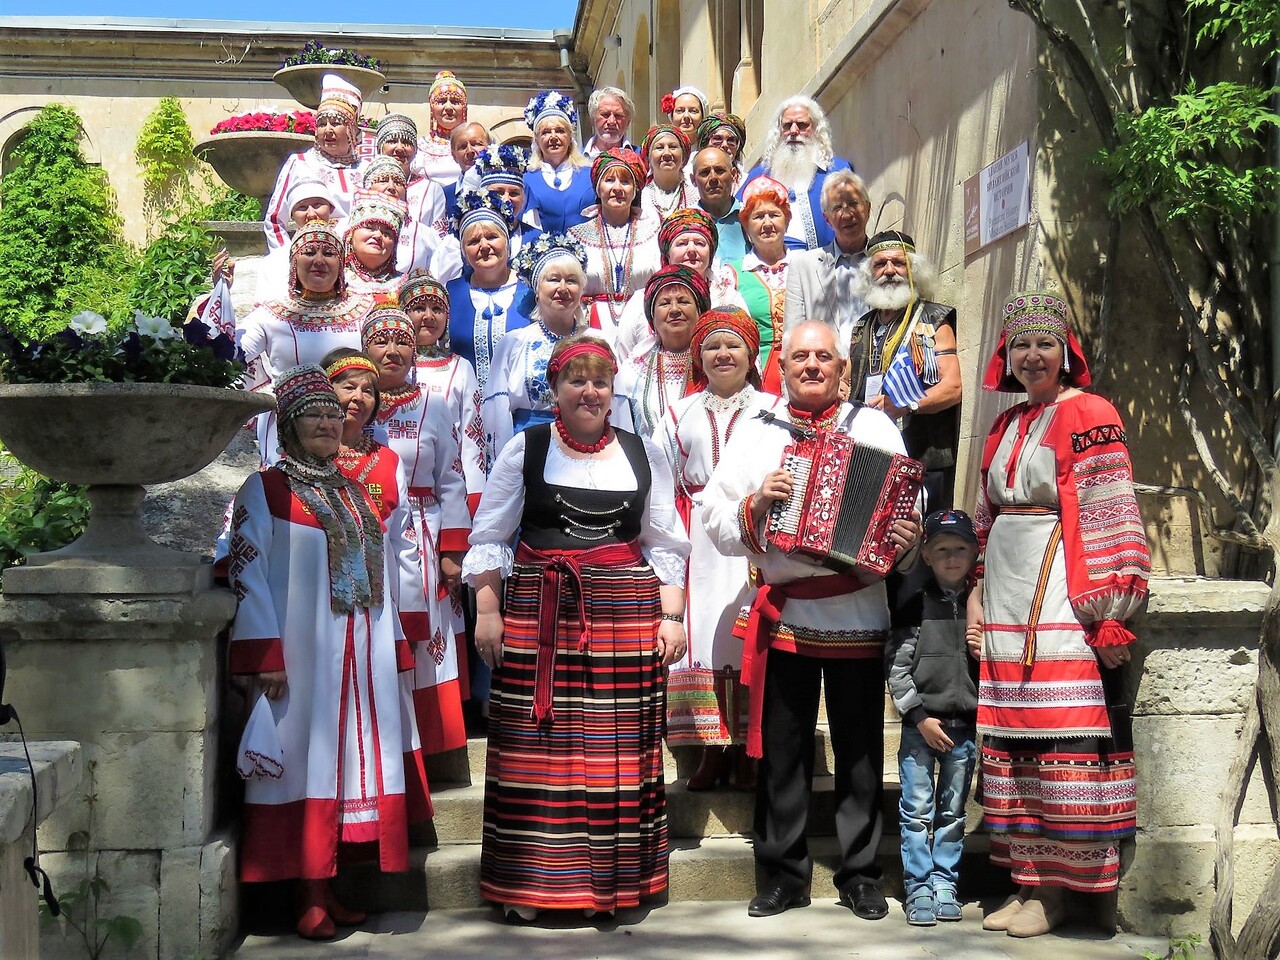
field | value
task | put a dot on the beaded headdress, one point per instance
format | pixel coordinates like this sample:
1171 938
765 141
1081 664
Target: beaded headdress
673 274
619 156
346 364
339 97
1036 311
891 240
300 388
370 206
396 128
550 103
687 220
443 80
420 284
477 205
720 119
534 257
383 167
502 163
386 321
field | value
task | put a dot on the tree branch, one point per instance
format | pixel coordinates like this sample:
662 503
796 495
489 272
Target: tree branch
1078 64
1106 77
1206 516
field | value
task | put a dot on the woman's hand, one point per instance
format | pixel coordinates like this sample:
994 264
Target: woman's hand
1112 657
273 684
976 622
224 267
670 644
489 628
451 570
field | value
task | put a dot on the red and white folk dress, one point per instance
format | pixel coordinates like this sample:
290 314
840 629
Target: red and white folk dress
706 701
340 724
1066 561
425 425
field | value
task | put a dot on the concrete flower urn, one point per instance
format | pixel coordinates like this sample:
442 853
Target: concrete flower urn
116 437
249 161
305 80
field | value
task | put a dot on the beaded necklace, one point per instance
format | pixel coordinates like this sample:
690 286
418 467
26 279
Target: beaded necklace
712 405
617 273
676 368
588 448
349 457
393 398
678 197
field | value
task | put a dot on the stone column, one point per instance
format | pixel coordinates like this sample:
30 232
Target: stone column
135 675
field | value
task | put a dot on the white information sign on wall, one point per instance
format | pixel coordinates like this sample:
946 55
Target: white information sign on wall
997 199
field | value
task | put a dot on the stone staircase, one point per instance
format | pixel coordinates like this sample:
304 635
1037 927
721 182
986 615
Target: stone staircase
711 856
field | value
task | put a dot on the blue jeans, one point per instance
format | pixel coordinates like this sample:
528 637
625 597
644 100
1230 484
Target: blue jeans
936 865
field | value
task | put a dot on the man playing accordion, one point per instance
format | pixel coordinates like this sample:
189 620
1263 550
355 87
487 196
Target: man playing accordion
809 622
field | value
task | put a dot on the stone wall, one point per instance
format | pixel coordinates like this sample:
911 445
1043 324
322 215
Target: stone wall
1193 673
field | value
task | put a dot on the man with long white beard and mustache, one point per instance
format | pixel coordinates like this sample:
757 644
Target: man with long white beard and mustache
896 283
798 154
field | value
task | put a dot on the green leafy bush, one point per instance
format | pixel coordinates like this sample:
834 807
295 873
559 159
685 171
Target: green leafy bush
173 269
58 224
38 514
163 150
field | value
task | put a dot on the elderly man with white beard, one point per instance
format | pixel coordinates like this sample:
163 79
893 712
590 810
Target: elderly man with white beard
798 154
903 357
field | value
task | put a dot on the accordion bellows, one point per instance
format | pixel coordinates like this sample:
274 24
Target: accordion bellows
844 499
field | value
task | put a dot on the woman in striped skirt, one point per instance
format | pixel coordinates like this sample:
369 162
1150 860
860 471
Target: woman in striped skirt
1066 562
575 810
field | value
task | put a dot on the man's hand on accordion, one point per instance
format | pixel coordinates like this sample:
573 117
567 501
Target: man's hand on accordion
905 534
776 486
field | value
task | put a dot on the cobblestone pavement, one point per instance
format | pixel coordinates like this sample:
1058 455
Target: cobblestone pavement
692 931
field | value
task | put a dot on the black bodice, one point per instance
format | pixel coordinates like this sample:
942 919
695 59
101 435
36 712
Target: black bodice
571 518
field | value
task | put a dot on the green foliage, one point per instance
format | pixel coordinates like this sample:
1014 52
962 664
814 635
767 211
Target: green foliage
227 204
1255 22
38 514
1184 158
80 915
1180 948
173 270
58 221
164 147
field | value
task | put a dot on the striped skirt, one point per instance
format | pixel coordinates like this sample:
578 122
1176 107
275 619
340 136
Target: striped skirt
575 808
1057 812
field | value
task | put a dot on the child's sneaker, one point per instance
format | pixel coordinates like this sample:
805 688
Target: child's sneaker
920 910
946 907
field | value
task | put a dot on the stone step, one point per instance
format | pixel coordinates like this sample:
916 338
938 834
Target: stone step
466 764
715 868
727 811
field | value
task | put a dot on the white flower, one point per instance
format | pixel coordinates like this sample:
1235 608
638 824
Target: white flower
88 324
153 327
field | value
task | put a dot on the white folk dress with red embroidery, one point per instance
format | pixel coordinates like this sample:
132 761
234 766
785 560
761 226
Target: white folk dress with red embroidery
692 435
341 179
284 333
620 261
340 722
424 427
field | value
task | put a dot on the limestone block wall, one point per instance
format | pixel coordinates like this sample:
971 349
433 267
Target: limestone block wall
137 681
1192 675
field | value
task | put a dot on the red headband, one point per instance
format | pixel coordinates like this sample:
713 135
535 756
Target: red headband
583 348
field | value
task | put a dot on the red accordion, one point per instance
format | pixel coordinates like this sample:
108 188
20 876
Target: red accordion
844 499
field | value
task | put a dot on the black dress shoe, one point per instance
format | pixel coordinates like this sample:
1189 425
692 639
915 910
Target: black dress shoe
865 900
775 900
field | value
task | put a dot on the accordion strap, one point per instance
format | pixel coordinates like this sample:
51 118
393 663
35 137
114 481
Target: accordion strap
766 612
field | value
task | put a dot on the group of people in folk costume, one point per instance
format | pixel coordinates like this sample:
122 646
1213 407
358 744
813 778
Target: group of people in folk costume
537 380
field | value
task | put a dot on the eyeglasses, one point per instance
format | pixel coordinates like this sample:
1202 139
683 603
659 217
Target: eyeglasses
322 417
722 140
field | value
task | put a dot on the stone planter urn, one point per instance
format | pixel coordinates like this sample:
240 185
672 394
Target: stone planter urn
116 437
304 81
250 161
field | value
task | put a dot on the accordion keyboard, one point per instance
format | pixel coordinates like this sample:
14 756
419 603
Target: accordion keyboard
787 513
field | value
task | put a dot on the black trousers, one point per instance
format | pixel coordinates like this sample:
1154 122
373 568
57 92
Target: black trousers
855 714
